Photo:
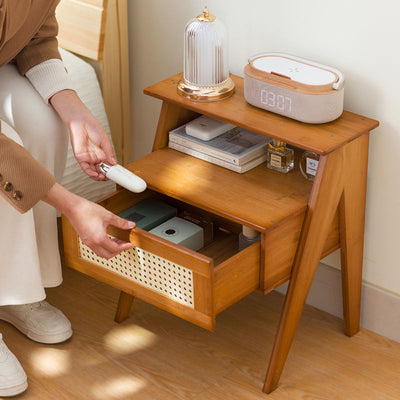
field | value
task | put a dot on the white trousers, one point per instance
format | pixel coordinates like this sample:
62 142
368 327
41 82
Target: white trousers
29 254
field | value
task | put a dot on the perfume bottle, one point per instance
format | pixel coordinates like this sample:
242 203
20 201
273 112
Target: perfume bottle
279 157
309 165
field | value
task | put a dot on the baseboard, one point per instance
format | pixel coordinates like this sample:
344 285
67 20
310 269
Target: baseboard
380 310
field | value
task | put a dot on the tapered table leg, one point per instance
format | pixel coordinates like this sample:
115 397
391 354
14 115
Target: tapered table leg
352 217
323 203
124 307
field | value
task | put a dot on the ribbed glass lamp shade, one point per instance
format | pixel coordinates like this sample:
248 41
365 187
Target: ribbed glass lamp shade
205 65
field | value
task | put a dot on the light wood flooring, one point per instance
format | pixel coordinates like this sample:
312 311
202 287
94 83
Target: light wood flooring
154 355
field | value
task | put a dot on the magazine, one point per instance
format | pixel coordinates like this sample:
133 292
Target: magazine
236 146
217 161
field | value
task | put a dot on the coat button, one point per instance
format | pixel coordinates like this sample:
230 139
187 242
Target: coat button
17 195
7 186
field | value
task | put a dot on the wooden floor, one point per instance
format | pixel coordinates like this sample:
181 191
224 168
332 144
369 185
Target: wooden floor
154 355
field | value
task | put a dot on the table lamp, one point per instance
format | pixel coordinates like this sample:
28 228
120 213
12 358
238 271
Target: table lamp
205 65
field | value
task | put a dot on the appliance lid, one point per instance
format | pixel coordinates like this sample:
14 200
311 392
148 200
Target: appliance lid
297 70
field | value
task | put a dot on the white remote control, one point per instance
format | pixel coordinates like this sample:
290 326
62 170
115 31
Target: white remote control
123 177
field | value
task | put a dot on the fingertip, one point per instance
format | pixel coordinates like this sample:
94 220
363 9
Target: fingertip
127 246
121 223
125 224
91 173
111 160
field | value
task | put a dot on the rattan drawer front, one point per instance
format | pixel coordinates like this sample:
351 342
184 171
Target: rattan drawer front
148 270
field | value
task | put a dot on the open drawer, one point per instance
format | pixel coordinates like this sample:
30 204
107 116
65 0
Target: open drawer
193 285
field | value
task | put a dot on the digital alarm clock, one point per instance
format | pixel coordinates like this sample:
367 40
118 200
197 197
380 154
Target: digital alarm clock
294 87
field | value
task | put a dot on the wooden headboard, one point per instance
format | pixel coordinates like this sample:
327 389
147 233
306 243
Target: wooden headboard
98 30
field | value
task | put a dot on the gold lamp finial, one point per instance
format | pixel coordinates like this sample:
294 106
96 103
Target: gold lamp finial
206 16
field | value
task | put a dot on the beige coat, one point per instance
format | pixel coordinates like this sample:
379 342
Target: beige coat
28 30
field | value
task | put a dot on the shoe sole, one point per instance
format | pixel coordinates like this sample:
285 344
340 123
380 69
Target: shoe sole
36 337
14 390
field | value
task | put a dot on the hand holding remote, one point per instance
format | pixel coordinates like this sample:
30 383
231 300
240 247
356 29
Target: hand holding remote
123 177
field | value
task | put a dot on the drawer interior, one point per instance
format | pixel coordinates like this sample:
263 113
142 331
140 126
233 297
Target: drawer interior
225 242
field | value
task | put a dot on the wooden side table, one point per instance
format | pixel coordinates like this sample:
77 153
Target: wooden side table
299 221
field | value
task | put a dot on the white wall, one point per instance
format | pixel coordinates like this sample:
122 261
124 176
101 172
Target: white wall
358 37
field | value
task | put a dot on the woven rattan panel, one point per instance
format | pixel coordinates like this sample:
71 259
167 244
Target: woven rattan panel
149 270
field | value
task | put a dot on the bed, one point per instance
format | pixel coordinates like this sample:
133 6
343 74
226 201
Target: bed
93 39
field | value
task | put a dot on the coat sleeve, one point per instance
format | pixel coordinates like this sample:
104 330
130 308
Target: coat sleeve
42 47
23 180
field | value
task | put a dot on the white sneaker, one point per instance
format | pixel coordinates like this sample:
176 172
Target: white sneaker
39 321
12 377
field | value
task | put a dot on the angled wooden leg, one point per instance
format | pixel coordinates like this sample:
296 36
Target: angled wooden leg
351 217
124 307
171 116
323 203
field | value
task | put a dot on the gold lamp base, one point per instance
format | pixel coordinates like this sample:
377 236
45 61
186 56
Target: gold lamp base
206 93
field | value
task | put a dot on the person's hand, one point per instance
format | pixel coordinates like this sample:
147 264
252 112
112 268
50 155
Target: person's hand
90 221
89 140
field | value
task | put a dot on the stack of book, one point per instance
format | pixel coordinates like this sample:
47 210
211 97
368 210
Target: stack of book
236 149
